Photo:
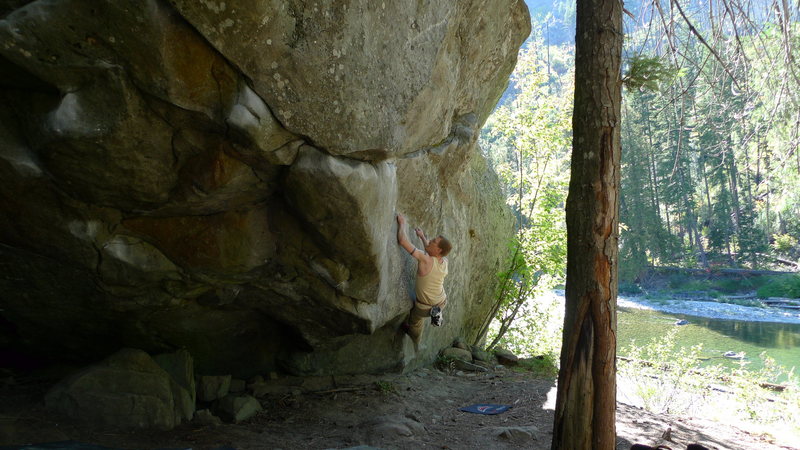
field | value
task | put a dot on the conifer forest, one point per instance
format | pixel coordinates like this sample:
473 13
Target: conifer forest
710 172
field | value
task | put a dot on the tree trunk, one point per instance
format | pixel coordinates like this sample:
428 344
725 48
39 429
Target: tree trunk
705 182
586 401
768 188
652 172
733 174
692 226
503 292
666 218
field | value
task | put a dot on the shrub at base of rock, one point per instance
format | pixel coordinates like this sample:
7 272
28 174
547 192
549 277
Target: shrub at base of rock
127 390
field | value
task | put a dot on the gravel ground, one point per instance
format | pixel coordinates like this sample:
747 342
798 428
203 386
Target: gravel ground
420 410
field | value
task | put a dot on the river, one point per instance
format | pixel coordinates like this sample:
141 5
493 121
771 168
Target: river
720 327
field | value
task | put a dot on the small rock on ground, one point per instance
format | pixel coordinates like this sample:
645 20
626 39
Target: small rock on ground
516 433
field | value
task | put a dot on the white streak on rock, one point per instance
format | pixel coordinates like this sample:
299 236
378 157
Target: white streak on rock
241 117
137 253
23 161
86 231
67 115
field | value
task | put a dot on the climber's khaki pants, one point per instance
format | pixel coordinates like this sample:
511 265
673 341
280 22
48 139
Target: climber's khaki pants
420 314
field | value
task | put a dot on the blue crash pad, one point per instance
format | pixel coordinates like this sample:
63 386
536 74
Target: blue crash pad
482 408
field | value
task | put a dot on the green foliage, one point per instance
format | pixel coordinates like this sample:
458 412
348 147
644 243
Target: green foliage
787 286
647 72
445 363
660 371
710 169
743 302
693 286
629 288
759 404
385 387
536 331
542 366
684 283
527 142
752 240
713 288
742 284
644 237
784 243
666 379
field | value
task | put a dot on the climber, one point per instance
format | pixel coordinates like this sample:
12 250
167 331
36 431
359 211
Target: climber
431 270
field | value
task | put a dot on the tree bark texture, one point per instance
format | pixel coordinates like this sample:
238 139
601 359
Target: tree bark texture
586 402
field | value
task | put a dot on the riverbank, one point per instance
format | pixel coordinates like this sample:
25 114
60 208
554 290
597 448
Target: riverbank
710 309
727 284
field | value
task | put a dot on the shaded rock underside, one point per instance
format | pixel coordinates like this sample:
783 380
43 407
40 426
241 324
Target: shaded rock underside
224 177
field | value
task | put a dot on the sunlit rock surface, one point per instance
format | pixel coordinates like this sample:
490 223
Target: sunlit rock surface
224 176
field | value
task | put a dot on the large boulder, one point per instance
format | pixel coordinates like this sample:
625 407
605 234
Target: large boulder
180 366
364 78
127 390
224 177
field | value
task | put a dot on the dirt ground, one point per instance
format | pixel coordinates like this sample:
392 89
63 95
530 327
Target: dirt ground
419 410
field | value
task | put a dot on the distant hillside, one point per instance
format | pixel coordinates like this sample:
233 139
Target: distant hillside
556 19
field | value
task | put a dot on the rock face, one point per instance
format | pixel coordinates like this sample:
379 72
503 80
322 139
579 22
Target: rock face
224 176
